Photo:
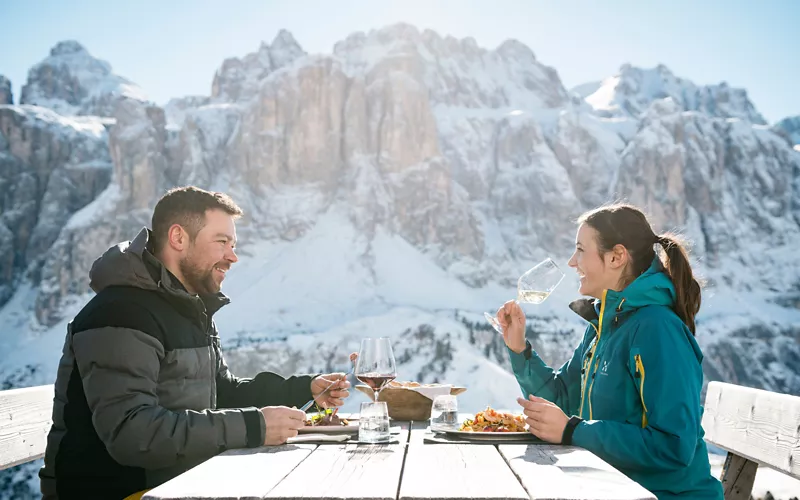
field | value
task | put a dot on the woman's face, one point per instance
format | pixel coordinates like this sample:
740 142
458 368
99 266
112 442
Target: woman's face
597 272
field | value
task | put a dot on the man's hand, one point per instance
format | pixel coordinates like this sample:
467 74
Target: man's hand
335 395
545 419
282 423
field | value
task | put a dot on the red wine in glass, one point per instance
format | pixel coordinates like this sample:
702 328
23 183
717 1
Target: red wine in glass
376 381
376 366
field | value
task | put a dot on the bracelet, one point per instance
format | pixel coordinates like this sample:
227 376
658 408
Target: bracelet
572 423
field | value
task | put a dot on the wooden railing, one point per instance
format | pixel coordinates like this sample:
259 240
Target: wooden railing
756 428
25 419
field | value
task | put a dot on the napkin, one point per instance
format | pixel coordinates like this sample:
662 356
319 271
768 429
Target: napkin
431 392
314 438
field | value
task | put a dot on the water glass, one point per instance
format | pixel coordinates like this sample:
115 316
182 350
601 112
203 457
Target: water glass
373 422
444 414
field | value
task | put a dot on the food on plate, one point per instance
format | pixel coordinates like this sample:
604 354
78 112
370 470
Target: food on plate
326 417
490 420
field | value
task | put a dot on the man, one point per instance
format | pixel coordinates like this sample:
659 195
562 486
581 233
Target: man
143 392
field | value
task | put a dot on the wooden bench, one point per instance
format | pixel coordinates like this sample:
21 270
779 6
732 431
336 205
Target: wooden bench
25 419
755 427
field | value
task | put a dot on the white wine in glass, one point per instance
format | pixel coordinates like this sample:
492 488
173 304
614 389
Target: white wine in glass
534 286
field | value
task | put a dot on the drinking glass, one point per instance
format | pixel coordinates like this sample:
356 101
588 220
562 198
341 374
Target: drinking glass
444 413
534 286
373 422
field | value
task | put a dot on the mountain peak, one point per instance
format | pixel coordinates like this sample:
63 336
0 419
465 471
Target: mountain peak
515 48
71 81
239 79
6 97
633 89
284 38
67 47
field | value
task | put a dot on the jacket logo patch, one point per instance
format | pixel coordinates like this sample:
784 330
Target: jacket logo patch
604 369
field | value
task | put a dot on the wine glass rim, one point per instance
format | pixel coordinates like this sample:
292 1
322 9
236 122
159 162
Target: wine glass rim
545 261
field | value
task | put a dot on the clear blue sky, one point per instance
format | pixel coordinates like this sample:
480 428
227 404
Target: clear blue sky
172 47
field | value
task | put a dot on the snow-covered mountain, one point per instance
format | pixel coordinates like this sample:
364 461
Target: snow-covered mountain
399 186
632 90
72 82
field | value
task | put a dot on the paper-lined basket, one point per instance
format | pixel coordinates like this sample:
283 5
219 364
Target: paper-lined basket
406 402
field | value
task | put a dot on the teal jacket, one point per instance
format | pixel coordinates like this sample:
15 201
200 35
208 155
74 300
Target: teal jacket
635 379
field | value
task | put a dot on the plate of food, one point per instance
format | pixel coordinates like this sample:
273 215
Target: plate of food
328 422
492 425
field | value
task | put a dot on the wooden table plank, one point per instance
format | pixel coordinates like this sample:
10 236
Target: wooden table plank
556 472
454 472
235 474
349 471
363 472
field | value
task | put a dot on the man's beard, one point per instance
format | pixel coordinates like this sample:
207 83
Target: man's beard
198 279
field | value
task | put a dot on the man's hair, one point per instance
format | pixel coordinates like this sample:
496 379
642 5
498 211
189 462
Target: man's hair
187 207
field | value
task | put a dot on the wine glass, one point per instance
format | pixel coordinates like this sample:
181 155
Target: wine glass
375 365
534 286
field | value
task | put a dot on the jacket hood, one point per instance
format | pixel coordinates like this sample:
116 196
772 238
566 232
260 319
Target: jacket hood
652 288
124 265
132 263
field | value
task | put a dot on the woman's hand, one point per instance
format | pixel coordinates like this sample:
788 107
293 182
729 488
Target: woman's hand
512 320
545 420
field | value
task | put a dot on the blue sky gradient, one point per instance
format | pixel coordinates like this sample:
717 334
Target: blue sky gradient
172 48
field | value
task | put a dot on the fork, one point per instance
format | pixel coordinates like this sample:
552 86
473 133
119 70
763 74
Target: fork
311 402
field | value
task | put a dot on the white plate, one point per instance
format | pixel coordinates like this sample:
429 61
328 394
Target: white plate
330 429
490 436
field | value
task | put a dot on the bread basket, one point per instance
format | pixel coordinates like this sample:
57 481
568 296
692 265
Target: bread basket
404 403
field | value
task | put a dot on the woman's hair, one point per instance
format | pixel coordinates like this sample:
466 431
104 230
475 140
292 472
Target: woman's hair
626 225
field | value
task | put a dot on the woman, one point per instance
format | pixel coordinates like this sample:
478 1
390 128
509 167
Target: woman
633 384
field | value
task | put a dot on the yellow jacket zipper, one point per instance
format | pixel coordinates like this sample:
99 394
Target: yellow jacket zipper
592 359
640 376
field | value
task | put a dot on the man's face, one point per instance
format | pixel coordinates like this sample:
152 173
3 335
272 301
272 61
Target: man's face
211 254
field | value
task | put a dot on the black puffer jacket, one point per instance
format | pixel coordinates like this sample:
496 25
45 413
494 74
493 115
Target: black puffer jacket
143 392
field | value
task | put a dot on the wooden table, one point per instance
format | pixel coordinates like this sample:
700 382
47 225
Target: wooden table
407 470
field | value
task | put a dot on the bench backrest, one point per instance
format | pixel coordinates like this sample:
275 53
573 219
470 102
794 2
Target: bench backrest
755 427
25 419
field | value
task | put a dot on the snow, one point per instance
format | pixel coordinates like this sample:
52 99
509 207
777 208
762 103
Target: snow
98 210
93 126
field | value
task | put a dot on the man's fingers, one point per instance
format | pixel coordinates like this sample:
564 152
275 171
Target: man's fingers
293 414
289 433
338 394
